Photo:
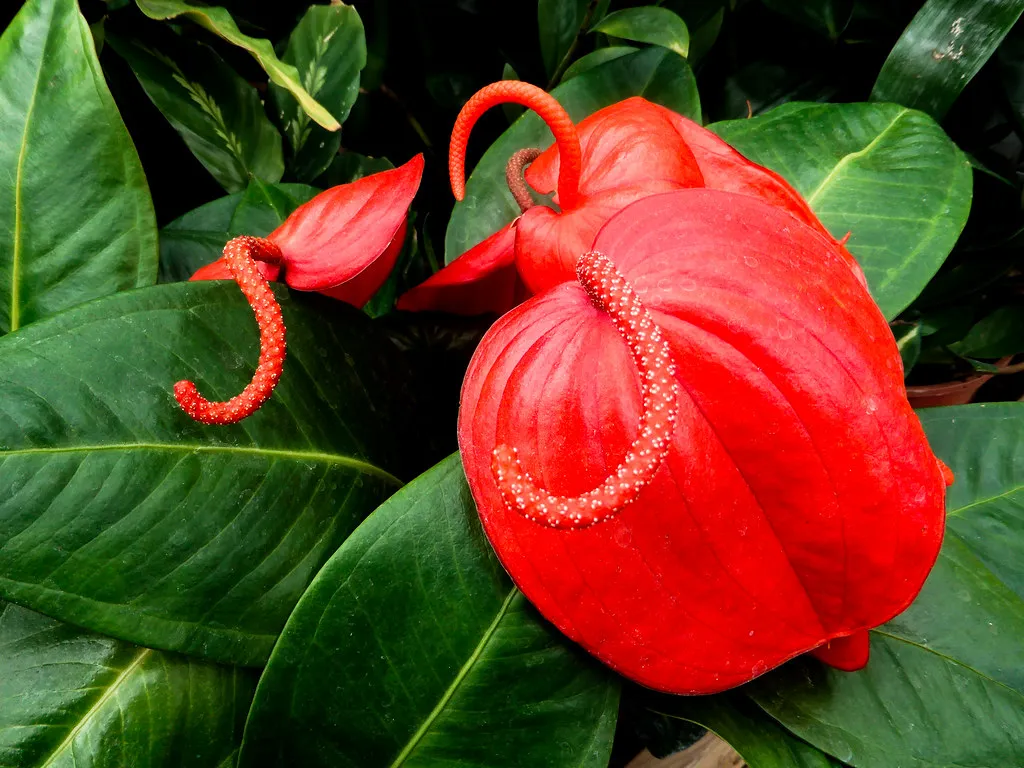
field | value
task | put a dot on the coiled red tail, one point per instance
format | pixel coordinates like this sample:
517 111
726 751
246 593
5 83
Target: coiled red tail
570 156
610 292
240 254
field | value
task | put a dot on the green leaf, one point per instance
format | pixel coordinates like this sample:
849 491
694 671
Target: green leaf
218 21
908 341
72 698
648 24
77 221
351 166
944 47
945 683
198 238
120 514
218 114
559 22
886 174
829 17
596 59
761 741
999 334
413 647
328 48
656 74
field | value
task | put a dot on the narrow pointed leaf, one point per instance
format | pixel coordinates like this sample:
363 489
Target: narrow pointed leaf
219 21
649 24
656 74
412 647
886 174
941 50
328 48
945 683
71 698
218 114
198 238
121 514
77 221
829 17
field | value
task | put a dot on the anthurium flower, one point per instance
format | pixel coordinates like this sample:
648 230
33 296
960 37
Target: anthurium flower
619 154
697 458
343 243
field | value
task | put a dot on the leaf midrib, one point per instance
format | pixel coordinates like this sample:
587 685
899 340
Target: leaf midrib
15 314
463 671
279 453
847 159
98 705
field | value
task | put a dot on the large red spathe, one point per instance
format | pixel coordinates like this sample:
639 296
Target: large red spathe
794 503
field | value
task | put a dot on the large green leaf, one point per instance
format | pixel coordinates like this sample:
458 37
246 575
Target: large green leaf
648 24
198 238
218 21
760 740
121 514
656 74
218 114
77 221
71 698
328 48
886 174
945 684
412 647
942 50
559 23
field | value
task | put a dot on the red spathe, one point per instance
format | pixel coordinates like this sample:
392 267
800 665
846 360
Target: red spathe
799 501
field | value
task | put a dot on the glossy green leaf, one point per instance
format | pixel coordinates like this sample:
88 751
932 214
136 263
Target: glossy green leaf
647 24
888 175
596 59
559 22
656 74
218 115
944 47
121 514
77 221
351 166
328 48
759 739
198 238
945 683
412 647
218 21
1000 333
829 17
72 698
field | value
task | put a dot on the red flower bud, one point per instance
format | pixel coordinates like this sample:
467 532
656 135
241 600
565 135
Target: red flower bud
625 152
343 243
716 467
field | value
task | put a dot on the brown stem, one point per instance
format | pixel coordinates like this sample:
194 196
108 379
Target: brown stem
515 178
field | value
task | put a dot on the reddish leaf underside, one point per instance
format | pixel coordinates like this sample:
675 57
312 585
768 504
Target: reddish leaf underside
799 500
